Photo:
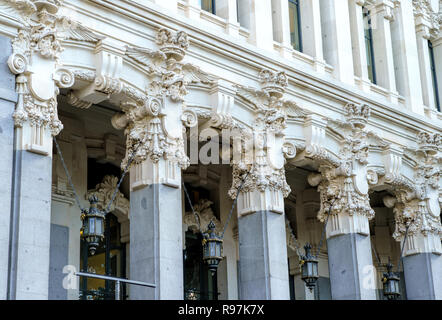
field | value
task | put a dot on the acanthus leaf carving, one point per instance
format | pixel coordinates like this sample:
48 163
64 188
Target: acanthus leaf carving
420 210
35 61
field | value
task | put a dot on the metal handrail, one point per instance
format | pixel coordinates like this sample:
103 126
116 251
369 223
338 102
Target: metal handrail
117 281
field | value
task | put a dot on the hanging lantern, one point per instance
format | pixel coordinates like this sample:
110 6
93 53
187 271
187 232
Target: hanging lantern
390 280
212 248
93 225
309 268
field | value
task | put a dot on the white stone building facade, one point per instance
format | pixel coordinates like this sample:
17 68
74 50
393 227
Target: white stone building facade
330 110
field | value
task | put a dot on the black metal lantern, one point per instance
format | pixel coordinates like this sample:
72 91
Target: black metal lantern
212 248
309 268
93 225
390 280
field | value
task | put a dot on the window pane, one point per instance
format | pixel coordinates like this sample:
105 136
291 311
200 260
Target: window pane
369 46
295 36
208 5
433 76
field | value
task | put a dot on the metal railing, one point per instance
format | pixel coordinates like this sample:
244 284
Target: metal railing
118 281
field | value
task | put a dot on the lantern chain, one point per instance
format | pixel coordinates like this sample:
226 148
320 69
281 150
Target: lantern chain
403 246
77 200
231 209
68 175
197 218
129 162
234 202
325 227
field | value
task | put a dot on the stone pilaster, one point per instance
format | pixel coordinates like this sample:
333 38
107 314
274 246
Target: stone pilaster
381 16
337 39
346 207
427 29
312 32
406 57
358 25
8 98
418 208
256 17
39 75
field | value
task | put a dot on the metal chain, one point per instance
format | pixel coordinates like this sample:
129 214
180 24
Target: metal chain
325 227
131 158
231 209
129 162
234 203
402 249
197 218
376 254
68 175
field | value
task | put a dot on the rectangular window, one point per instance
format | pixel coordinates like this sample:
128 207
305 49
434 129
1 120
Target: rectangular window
295 25
433 76
369 45
208 5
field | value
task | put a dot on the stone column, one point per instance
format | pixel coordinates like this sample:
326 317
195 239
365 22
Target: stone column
337 39
281 26
418 208
358 26
406 56
255 15
8 98
381 16
312 32
227 9
343 189
260 207
39 77
154 128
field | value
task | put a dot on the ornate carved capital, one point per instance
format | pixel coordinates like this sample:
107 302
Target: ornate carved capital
271 109
428 21
40 74
343 184
154 119
420 209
